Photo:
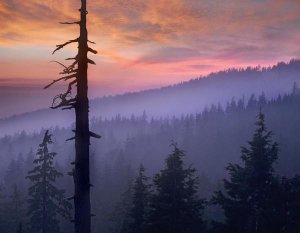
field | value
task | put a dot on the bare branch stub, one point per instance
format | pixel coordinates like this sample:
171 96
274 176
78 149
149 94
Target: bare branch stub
94 135
92 42
91 62
60 46
92 50
70 23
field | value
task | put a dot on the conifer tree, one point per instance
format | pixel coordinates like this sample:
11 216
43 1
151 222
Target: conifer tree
120 218
175 206
248 201
140 202
3 218
20 228
46 203
15 210
15 174
289 209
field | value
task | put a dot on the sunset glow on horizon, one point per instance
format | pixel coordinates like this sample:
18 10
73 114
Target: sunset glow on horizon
146 44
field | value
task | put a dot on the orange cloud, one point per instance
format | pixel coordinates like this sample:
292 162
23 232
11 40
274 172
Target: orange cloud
150 42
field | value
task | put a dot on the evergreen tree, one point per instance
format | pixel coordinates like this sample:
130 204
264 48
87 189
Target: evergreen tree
46 202
140 202
15 210
3 218
20 228
248 201
295 89
15 175
175 206
289 199
120 218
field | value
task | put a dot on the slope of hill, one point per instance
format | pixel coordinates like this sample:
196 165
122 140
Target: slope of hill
188 97
210 139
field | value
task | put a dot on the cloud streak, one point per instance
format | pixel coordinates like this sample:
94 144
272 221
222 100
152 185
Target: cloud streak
172 39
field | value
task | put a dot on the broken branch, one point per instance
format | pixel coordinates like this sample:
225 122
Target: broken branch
68 23
92 50
60 46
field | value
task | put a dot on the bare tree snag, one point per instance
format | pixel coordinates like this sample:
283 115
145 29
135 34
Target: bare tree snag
81 172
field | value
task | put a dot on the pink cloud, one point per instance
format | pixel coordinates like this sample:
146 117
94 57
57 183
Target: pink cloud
149 43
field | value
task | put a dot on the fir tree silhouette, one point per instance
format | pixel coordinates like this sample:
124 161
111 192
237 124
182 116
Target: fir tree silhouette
248 201
175 206
140 203
46 202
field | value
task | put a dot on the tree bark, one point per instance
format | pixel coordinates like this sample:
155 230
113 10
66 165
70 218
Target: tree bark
44 201
82 137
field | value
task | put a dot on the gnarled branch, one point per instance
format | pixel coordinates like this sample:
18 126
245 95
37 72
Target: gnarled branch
60 46
65 78
66 70
64 101
69 70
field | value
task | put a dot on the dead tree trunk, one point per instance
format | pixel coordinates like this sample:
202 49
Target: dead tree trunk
82 137
76 73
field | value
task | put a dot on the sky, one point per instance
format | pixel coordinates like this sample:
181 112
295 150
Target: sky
145 44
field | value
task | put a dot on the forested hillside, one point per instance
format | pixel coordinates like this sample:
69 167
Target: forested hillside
211 139
184 98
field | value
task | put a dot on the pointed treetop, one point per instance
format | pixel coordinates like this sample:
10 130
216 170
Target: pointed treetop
260 122
141 169
47 138
175 158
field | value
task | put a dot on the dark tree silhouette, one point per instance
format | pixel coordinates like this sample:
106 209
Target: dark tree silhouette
289 209
175 206
3 220
140 203
16 211
120 217
248 203
78 76
46 201
20 228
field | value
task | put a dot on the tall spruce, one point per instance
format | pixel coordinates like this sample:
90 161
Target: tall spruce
140 203
46 202
120 217
15 210
3 217
175 206
76 73
20 228
289 209
249 197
